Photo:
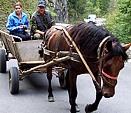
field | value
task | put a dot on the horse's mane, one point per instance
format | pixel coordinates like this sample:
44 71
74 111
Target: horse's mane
88 37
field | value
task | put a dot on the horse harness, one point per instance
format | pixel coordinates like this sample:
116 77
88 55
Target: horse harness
102 55
74 56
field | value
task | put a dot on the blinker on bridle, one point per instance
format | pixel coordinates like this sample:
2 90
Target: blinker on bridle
102 53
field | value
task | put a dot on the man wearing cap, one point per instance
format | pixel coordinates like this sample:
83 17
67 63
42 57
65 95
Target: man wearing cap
41 21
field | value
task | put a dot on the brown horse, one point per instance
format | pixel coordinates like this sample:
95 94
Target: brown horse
101 51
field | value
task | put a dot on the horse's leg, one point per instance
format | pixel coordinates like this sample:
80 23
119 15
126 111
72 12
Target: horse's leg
49 77
93 107
72 90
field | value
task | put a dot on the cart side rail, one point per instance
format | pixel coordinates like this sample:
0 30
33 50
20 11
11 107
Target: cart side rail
4 39
10 44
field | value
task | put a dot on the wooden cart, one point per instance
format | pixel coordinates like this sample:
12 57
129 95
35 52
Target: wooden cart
29 60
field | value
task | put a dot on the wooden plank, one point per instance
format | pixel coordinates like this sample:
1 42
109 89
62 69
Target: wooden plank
32 62
28 51
54 61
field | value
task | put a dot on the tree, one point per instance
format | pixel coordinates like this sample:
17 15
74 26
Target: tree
79 9
121 21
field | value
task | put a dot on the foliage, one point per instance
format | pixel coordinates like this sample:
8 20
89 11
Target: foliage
5 8
80 9
103 6
119 22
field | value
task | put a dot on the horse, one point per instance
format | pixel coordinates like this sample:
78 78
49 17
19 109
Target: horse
102 52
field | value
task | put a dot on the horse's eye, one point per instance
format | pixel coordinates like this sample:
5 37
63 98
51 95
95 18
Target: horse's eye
107 65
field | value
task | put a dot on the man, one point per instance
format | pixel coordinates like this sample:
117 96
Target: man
17 23
41 21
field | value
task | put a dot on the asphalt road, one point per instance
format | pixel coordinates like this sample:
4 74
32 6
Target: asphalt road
32 97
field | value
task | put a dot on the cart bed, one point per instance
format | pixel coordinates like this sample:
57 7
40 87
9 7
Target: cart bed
28 51
25 51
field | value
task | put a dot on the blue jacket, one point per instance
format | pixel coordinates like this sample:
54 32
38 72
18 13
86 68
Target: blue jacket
13 23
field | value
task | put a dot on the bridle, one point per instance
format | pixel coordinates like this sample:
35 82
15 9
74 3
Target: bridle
101 56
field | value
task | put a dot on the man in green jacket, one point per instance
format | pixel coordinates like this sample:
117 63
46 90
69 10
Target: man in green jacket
41 21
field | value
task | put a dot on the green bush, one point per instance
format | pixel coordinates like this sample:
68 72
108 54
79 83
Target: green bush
119 22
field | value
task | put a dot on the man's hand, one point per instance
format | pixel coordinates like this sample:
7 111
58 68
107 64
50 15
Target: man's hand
39 32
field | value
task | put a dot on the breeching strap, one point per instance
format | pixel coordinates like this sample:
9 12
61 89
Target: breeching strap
82 58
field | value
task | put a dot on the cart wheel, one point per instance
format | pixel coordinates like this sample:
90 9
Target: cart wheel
62 79
14 80
2 61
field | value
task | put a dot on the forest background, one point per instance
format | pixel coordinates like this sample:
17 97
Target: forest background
116 12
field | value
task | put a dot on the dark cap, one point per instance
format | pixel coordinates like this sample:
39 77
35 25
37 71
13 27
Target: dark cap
41 3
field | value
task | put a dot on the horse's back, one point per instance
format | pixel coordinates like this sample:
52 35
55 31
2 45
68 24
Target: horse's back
55 38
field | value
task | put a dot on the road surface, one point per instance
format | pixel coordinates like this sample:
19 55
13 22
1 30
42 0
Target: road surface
32 97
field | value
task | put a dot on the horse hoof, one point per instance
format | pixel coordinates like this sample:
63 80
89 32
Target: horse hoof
51 99
77 108
89 108
86 109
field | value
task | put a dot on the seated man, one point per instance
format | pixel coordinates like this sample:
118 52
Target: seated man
41 21
17 23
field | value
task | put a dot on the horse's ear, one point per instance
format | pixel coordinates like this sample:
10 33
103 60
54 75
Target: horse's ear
126 47
109 46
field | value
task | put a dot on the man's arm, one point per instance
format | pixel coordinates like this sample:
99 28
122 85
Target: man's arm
33 25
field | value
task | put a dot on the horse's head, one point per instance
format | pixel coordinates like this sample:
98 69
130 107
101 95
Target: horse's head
111 61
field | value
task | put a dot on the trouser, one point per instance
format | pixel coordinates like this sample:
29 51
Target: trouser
24 36
37 36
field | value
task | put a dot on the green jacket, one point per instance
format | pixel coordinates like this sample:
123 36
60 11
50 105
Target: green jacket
41 23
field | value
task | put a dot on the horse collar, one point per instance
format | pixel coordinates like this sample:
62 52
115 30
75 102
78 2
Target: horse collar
100 46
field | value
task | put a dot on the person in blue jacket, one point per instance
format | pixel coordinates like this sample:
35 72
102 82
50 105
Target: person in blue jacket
17 23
